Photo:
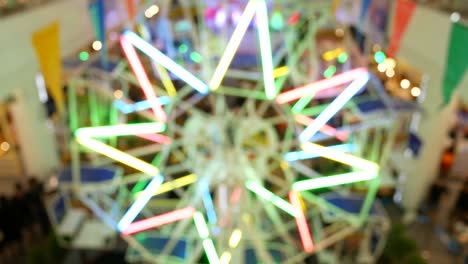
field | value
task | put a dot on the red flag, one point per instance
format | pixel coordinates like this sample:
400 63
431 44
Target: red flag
403 13
130 9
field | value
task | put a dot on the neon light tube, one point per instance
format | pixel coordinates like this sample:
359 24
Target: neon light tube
333 108
335 180
332 54
120 130
166 62
271 197
301 222
118 155
207 201
141 202
157 138
166 80
177 183
139 106
159 220
232 46
201 226
315 87
210 251
302 103
303 155
98 212
281 71
344 158
326 129
265 49
235 238
143 79
235 196
225 258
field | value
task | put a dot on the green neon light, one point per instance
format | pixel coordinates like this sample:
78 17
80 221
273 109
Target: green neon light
210 251
201 226
379 57
183 48
195 57
314 111
343 57
84 56
329 72
302 103
139 186
271 197
277 21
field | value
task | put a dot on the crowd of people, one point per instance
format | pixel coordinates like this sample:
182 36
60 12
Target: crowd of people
23 220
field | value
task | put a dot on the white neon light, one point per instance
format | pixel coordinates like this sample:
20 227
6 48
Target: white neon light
334 107
303 155
166 62
265 50
232 46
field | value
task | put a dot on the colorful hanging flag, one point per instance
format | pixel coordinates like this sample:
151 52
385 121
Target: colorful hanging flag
364 8
457 62
403 12
96 10
130 9
46 42
334 6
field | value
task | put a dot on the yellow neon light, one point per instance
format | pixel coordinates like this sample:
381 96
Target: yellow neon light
225 258
338 156
177 183
280 72
166 80
118 155
332 54
233 45
235 238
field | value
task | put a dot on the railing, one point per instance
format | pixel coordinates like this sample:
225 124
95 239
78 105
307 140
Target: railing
9 7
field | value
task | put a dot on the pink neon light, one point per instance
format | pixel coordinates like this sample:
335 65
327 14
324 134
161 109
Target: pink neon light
159 220
315 87
326 129
235 196
157 138
143 80
301 222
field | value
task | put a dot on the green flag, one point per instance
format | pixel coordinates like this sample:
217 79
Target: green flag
457 61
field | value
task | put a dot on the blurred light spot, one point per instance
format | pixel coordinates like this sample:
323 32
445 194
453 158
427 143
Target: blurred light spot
5 146
416 91
97 45
151 11
405 83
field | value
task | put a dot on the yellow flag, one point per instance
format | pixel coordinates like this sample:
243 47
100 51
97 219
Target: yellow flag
46 43
335 5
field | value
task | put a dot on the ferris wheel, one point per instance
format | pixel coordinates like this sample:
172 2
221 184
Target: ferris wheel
189 168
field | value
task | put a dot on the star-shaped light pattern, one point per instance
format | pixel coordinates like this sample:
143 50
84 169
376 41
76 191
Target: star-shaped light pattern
363 170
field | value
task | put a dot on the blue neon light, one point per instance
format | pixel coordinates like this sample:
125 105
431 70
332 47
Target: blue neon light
140 203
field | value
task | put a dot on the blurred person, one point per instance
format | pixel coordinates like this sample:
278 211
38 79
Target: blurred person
22 216
3 229
37 207
12 228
